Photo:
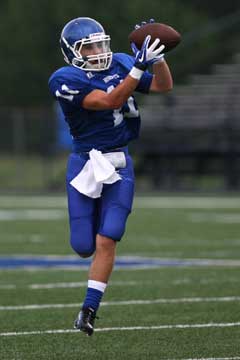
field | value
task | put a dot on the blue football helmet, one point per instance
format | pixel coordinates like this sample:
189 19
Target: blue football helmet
84 33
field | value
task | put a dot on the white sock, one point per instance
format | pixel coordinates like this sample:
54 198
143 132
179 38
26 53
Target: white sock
98 285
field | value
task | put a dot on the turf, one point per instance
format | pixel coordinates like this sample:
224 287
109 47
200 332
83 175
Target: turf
177 233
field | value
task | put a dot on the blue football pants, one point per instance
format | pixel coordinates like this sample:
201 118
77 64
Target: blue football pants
106 215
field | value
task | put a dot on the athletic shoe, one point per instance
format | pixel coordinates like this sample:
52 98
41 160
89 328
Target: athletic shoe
85 321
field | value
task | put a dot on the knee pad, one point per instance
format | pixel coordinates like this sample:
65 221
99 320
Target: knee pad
114 223
83 237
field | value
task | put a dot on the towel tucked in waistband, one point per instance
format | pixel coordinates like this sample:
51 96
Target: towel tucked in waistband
99 169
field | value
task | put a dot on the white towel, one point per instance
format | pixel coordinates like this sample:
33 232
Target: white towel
99 169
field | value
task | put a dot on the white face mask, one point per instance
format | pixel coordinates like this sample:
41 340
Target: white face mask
93 53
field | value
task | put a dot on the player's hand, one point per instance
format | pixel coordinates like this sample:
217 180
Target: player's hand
137 26
149 54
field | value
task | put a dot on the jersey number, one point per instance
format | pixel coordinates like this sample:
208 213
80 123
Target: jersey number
118 113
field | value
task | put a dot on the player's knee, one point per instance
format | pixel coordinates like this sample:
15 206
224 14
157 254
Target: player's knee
84 256
82 237
82 247
115 223
105 244
113 230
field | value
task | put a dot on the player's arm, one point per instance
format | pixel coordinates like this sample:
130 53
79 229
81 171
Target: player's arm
162 79
101 100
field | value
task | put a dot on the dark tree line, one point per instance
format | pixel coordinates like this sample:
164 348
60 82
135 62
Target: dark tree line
30 33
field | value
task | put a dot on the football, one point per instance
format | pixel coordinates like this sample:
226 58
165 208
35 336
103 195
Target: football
168 35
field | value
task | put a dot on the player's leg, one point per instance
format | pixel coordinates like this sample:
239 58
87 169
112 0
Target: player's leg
116 203
99 273
82 212
103 261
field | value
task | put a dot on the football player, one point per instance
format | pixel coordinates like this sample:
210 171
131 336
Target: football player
95 92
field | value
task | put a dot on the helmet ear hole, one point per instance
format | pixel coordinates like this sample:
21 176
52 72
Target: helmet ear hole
78 47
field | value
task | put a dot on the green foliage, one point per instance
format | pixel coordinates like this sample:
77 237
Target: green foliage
30 32
214 8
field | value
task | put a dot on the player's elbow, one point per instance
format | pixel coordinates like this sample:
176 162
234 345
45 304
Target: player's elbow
167 88
166 85
109 103
161 86
169 84
114 103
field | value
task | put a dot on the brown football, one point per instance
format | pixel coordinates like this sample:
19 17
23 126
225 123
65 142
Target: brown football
167 35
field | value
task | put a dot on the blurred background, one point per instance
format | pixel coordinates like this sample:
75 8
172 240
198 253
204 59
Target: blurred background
190 137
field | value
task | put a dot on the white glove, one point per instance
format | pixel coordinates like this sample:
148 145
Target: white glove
148 54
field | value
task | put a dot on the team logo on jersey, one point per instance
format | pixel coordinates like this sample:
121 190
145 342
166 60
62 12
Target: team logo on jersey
90 75
110 77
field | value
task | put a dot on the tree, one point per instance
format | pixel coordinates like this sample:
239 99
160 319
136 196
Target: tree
30 33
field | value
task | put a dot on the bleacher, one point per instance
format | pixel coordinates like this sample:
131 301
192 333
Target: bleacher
194 129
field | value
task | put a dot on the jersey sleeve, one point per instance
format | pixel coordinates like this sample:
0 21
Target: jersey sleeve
69 87
145 82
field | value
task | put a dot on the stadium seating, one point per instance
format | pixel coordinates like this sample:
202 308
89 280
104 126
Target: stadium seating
198 121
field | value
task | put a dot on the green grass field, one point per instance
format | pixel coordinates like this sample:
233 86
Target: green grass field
161 313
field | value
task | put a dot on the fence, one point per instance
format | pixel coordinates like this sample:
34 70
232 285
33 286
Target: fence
188 141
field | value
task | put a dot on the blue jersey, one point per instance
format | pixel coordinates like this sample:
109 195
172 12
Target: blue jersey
105 129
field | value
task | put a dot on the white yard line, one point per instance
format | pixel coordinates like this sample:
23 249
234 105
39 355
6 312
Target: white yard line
79 284
160 202
34 238
32 214
67 285
185 202
124 302
130 328
215 218
33 201
55 208
8 287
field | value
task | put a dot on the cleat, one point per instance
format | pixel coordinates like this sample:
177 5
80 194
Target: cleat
85 321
